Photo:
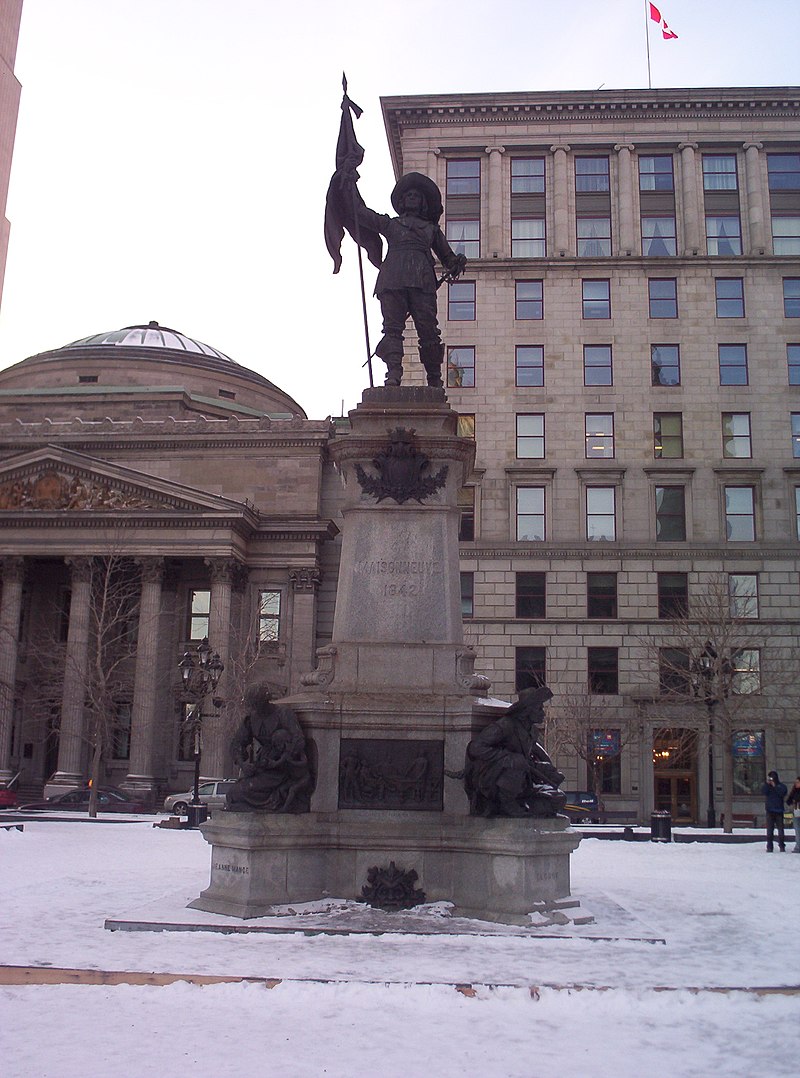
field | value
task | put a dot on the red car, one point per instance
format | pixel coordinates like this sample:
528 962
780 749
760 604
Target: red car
8 798
108 800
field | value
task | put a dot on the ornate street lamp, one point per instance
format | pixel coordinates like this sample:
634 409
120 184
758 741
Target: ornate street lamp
200 671
706 668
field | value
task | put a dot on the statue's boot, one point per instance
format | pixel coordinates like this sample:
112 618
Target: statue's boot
388 351
431 353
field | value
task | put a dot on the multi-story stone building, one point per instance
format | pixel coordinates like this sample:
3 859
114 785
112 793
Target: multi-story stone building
626 342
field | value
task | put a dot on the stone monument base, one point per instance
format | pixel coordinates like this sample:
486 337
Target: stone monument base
490 869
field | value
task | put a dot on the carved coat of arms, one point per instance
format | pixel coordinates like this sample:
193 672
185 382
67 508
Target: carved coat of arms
400 468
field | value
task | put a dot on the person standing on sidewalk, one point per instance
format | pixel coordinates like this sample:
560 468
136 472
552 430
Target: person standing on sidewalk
774 792
794 800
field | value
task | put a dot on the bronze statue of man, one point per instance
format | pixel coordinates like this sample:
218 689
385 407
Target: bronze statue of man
407 284
507 770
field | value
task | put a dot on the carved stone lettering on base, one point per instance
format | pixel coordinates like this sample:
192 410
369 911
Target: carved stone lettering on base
391 774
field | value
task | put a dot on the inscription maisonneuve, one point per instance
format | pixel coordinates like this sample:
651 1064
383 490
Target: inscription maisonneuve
401 567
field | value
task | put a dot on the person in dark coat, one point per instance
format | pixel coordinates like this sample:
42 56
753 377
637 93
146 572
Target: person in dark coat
406 282
774 792
793 800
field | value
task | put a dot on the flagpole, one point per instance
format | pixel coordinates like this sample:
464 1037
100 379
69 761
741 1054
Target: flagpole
357 238
647 39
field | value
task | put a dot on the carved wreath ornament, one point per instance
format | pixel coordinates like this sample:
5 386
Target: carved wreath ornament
400 466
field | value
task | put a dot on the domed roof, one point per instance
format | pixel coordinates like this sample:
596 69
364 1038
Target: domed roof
150 336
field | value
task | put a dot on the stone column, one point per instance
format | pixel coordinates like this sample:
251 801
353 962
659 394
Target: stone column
70 772
305 583
215 733
692 230
755 200
141 773
625 199
13 579
563 244
497 243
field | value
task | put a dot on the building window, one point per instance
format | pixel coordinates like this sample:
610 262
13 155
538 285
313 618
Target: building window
723 234
673 672
601 595
187 732
467 595
667 435
670 514
740 514
603 671
121 732
663 296
530 436
466 505
226 394
269 616
736 440
527 175
785 234
604 752
199 614
733 365
594 237
599 434
86 379
465 425
729 297
527 237
719 172
591 174
749 763
797 512
529 668
461 368
746 675
665 364
529 361
655 173
463 206
531 595
673 595
659 236
743 592
793 359
791 297
796 434
596 299
529 299
601 513
597 367
461 301
784 171
530 514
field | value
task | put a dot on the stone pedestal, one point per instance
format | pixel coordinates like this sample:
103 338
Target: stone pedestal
494 869
393 703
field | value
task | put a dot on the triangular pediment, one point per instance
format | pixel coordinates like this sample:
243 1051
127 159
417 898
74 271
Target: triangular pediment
53 478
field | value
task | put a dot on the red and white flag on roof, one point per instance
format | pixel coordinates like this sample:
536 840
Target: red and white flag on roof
655 15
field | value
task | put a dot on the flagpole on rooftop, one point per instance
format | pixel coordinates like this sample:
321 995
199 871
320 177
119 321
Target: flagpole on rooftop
647 39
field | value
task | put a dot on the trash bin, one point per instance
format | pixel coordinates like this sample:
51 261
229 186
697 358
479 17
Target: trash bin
196 814
660 827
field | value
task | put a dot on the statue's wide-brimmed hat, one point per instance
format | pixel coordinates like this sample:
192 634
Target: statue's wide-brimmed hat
426 186
530 702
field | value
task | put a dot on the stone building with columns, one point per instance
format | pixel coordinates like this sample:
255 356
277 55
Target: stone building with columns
205 483
625 345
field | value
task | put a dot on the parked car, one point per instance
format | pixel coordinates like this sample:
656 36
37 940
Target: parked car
8 798
212 794
582 807
109 799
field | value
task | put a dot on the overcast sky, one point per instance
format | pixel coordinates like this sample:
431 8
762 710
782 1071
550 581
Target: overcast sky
172 156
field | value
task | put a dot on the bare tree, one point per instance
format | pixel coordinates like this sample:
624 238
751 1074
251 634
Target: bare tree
106 678
710 659
575 726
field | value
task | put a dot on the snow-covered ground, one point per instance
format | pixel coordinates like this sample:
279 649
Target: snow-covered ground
396 1004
